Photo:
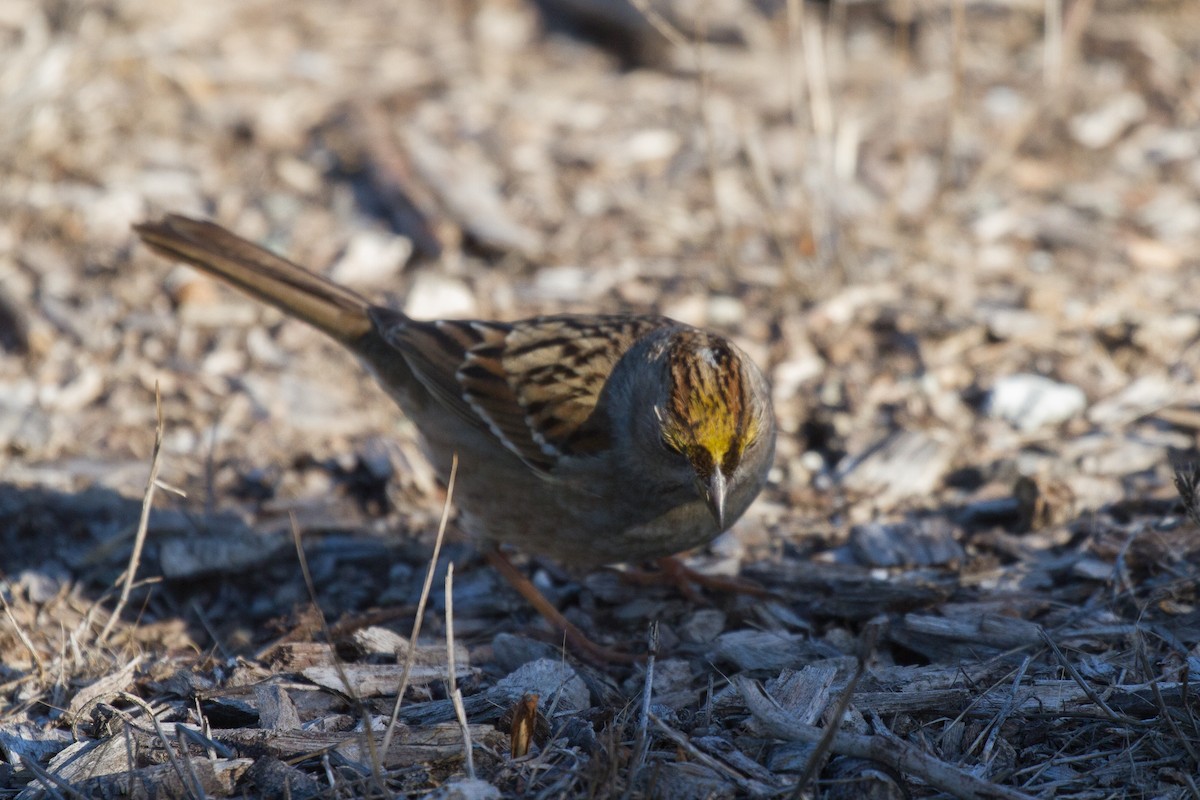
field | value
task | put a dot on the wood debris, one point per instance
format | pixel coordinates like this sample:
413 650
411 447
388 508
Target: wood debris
962 239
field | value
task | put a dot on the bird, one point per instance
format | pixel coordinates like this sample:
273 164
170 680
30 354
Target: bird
589 438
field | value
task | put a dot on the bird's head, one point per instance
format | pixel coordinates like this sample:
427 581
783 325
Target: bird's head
715 420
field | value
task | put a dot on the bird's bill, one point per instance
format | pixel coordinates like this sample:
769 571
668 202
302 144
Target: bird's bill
714 490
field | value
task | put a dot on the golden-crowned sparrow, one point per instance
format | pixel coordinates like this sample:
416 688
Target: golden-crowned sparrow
591 439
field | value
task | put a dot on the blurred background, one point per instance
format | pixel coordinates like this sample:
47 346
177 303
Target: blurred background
897 207
960 236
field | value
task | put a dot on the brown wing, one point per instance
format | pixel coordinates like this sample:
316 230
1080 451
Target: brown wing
436 351
557 367
533 384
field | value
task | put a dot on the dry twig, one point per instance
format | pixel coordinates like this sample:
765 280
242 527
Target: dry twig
139 540
425 588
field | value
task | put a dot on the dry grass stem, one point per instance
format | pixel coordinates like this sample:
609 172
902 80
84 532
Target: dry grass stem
960 237
643 724
139 540
420 613
26 642
1052 59
460 711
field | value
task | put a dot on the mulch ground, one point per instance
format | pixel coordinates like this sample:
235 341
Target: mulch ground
961 238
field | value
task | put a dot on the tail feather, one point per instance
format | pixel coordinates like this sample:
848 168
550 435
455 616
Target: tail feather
334 309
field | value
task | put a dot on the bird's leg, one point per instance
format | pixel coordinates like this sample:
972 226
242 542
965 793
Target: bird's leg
577 638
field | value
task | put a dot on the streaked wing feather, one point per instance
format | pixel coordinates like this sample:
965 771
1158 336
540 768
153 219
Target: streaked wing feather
436 351
533 385
557 366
